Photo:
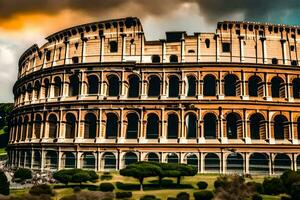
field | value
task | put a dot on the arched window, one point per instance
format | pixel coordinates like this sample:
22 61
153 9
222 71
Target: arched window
52 122
25 126
191 87
257 127
113 86
281 127
134 86
74 85
90 126
212 163
210 126
89 161
152 126
155 59
36 159
209 86
282 162
152 157
296 88
57 87
130 158
233 123
173 59
278 87
259 163
172 126
93 84
69 160
235 163
173 86
172 158
112 126
192 160
109 160
29 91
113 46
230 84
132 126
70 126
37 89
298 128
51 160
191 125
47 88
37 126
255 86
19 135
154 86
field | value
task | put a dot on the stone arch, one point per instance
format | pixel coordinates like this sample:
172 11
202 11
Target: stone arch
113 85
296 88
88 160
130 158
93 84
152 131
282 162
73 85
20 122
152 157
172 158
132 131
70 132
192 159
191 85
154 86
235 163
280 127
277 87
210 126
259 163
257 126
57 86
52 126
212 163
173 86
38 126
233 126
109 161
36 159
173 58
25 128
191 125
173 126
68 160
112 126
231 85
255 86
134 86
37 89
51 160
47 86
209 85
29 91
90 126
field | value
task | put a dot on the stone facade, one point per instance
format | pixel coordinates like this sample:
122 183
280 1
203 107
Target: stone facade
101 96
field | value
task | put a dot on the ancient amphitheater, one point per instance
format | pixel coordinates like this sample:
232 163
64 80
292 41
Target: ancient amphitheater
101 96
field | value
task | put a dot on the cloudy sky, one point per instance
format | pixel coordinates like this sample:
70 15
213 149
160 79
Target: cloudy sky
25 22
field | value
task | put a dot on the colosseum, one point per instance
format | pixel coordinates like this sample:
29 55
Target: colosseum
100 96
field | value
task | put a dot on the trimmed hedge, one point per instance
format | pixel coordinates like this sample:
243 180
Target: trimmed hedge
203 195
273 186
106 187
4 184
23 174
148 197
122 195
202 185
183 196
42 189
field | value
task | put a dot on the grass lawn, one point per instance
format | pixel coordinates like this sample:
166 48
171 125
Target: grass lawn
1 131
163 194
2 151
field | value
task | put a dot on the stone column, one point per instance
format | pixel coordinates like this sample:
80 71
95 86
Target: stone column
183 86
54 55
220 87
264 50
198 47
123 95
123 47
216 37
163 137
102 39
182 49
242 54
283 46
99 135
44 59
83 51
247 155
121 136
182 134
267 88
67 47
142 41
144 84
163 95
163 51
244 87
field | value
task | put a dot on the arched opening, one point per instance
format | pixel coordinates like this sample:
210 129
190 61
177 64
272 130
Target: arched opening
24 129
277 87
132 126
109 160
172 158
51 160
155 59
130 158
37 126
233 125
173 86
74 85
19 135
192 160
36 159
298 128
281 127
152 131
37 89
259 163
257 127
191 87
298 163
46 88
113 46
90 126
134 86
89 161
212 163
68 160
191 125
70 126
29 91
52 124
93 84
296 88
282 162
235 163
255 86
154 86
230 85
57 86
173 59
210 126
172 126
113 86
152 157
27 158
112 126
209 85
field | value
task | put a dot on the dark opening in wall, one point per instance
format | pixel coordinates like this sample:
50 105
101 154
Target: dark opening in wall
113 46
155 59
294 62
48 55
226 47
75 59
207 43
173 59
274 61
292 47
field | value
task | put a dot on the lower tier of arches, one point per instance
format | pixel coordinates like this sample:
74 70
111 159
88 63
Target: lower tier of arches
222 160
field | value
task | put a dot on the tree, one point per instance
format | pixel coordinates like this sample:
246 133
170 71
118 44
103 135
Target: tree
38 190
75 176
81 177
22 174
4 184
140 171
295 191
288 178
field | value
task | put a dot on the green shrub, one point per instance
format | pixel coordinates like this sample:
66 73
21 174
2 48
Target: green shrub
295 191
273 186
221 181
257 187
202 185
106 187
285 198
4 184
75 175
183 196
288 178
256 197
23 174
38 190
76 189
148 197
122 195
106 177
203 195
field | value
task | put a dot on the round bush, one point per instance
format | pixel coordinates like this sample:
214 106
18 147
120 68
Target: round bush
76 189
4 184
23 174
148 197
106 187
273 186
257 187
257 197
295 191
202 185
183 196
38 190
122 195
203 195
